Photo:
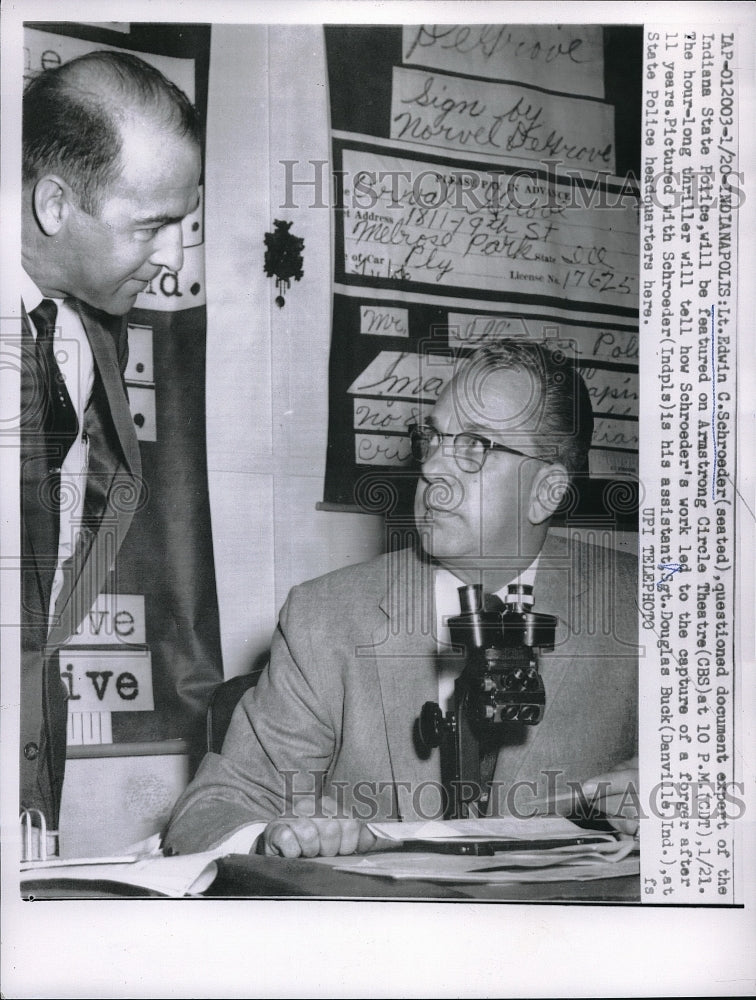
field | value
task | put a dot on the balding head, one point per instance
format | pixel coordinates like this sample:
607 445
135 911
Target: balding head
74 116
557 408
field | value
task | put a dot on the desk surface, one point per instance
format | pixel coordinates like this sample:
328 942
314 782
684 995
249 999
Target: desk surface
242 876
252 876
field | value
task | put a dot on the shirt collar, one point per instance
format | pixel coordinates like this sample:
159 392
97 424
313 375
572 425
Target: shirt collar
447 585
31 296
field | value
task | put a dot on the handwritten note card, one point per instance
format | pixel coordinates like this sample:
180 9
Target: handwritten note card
381 449
485 206
384 321
407 385
403 375
612 391
413 220
506 120
567 57
609 433
474 331
385 415
578 342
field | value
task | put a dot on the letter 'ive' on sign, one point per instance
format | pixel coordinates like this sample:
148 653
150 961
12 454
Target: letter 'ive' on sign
106 681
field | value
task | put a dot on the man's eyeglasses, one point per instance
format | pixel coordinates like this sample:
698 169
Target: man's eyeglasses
470 450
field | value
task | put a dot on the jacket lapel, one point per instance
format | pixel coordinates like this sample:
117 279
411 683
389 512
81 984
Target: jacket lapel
405 655
556 588
39 523
106 361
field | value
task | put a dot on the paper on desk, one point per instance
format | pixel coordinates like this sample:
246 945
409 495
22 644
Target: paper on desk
175 876
495 828
458 868
606 856
143 865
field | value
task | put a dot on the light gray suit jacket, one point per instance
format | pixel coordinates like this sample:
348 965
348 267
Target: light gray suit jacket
352 662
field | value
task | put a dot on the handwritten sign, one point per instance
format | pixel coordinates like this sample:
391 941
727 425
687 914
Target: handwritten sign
578 342
403 375
505 120
485 207
615 448
611 391
609 433
469 228
474 331
407 385
566 57
386 415
381 449
384 321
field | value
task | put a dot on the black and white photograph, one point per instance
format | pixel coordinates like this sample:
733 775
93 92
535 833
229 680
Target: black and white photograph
377 499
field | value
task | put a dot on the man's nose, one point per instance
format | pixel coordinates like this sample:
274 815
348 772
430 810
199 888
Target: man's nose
169 247
441 480
440 461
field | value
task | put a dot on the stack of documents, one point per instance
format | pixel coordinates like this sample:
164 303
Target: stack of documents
545 849
143 866
175 876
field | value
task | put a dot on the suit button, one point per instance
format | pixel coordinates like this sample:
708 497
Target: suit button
31 751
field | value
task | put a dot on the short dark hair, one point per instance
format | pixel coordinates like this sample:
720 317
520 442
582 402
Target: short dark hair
73 114
562 408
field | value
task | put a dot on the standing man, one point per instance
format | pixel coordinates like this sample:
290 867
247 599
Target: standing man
111 166
332 725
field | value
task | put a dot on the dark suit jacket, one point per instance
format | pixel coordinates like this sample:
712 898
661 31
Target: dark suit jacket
353 661
112 490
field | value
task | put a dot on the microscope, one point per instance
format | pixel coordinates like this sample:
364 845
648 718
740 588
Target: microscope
499 687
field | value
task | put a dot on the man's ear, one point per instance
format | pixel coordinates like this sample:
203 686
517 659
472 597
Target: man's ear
547 492
51 203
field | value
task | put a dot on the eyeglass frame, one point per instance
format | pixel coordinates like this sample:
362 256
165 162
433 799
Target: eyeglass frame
488 446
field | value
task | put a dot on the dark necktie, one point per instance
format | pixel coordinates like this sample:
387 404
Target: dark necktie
61 423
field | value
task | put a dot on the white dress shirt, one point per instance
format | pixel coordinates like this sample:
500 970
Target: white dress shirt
74 357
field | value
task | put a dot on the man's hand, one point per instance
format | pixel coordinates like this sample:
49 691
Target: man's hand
310 837
618 795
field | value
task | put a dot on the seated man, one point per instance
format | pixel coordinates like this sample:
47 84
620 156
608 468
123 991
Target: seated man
328 738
